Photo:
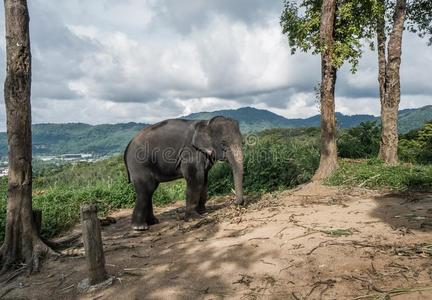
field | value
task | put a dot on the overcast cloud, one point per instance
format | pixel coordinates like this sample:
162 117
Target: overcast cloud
109 61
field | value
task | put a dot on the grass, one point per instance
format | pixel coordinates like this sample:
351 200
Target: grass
374 174
59 193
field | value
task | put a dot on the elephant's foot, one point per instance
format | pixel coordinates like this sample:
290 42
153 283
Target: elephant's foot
191 215
142 227
201 210
152 220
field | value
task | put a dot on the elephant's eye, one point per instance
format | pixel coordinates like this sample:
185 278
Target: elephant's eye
224 145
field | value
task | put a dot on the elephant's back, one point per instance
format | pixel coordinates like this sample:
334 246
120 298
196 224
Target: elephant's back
165 131
164 137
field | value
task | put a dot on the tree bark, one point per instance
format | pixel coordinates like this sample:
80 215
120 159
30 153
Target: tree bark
391 99
328 160
22 243
381 45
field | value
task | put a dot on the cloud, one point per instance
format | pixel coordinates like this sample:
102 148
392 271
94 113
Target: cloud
145 60
186 17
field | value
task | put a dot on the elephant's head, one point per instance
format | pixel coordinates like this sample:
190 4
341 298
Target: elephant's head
221 139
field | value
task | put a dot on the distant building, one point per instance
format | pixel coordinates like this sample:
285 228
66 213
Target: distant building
4 172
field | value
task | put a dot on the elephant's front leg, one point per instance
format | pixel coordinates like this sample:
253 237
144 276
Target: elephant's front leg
193 195
201 209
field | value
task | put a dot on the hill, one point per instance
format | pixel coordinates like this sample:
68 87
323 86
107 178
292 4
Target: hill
55 139
252 119
106 139
414 118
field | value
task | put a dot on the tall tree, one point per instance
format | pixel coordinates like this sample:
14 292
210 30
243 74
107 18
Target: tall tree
417 17
335 29
328 160
22 243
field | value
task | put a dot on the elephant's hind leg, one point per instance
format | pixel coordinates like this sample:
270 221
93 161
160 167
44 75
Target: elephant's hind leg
143 216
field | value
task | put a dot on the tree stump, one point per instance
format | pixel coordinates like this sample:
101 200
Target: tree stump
92 239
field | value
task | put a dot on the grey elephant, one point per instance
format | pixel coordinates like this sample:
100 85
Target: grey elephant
187 149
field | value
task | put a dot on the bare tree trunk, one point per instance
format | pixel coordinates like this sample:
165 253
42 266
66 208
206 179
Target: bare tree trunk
382 61
22 242
390 101
328 161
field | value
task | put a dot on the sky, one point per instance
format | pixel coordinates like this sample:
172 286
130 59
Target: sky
110 61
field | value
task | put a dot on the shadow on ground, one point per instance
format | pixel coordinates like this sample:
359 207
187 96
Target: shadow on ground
412 211
172 260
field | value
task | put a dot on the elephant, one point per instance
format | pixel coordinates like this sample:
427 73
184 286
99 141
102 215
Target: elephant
179 148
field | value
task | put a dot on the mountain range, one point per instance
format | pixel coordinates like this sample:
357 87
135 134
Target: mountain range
252 119
104 139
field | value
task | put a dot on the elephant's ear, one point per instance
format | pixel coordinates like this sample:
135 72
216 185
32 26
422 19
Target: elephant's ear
201 138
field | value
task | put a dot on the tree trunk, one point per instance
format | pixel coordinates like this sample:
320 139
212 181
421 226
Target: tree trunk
390 101
382 61
22 243
328 160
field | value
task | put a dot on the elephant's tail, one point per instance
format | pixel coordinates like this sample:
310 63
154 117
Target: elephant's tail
125 161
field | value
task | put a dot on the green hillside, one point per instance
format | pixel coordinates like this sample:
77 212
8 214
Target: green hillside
410 119
52 139
255 120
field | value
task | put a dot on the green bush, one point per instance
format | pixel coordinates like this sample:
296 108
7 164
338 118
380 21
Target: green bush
416 146
362 141
375 174
269 166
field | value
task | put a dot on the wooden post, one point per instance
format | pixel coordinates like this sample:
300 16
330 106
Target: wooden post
92 238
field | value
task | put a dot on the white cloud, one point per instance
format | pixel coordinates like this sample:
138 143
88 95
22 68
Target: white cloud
146 60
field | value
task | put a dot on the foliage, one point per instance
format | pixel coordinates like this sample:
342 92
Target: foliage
416 146
300 21
272 163
419 18
375 174
362 141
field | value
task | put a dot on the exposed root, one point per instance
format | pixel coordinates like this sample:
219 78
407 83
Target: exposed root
31 263
394 292
40 251
13 275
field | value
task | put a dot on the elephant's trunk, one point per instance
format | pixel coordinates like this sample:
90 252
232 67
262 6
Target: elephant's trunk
235 159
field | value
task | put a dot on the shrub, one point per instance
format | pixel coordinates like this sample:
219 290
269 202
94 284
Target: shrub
416 145
376 175
269 166
362 141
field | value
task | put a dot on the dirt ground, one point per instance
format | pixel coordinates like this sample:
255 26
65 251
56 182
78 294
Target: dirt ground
315 242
